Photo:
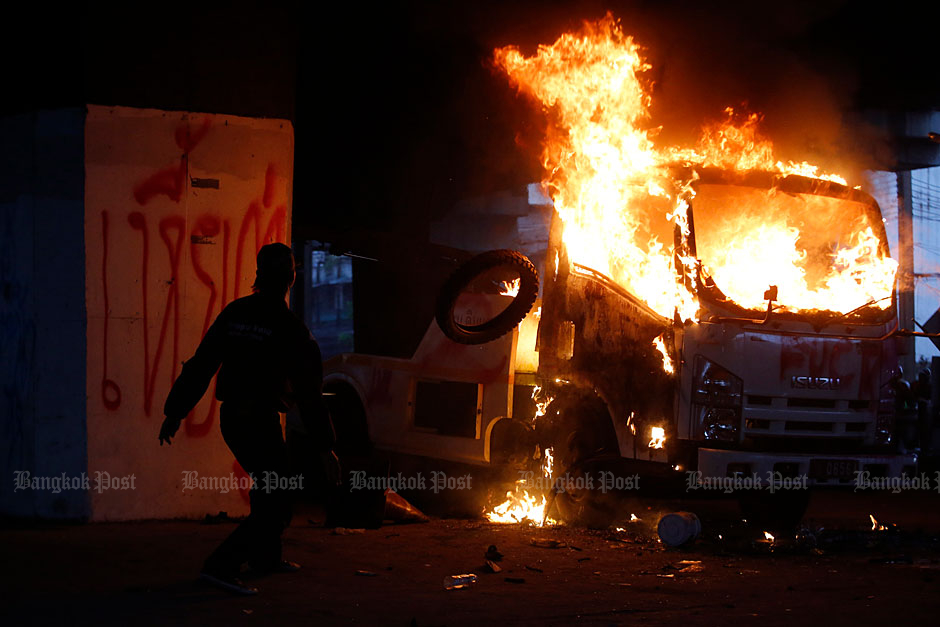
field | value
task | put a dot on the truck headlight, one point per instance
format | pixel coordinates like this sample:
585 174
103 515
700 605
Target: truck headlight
717 397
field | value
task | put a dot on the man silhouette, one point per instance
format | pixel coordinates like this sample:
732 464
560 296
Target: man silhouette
266 357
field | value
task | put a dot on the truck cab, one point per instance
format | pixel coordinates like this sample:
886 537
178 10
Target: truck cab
765 377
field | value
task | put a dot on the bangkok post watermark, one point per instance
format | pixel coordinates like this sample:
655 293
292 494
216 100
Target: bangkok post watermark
267 481
903 483
99 481
771 482
436 481
603 481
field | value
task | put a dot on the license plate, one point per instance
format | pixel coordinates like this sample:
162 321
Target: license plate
842 469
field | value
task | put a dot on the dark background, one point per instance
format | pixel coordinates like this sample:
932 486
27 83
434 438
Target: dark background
398 112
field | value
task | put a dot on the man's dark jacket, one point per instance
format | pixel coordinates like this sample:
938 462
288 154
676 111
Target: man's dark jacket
268 359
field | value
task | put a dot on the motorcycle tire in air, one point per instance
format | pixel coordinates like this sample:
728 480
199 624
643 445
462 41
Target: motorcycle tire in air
506 320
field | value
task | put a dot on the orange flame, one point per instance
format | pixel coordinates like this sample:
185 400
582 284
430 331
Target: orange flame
657 437
660 345
623 207
510 288
520 504
736 144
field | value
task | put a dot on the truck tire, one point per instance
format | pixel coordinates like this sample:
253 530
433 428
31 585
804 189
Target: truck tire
504 321
584 445
349 420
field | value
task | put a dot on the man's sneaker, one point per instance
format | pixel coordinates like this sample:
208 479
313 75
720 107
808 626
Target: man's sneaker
230 583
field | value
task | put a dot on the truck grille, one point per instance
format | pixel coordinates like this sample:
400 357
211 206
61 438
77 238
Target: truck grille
797 417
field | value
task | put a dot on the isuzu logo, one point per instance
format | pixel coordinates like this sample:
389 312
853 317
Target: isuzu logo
814 383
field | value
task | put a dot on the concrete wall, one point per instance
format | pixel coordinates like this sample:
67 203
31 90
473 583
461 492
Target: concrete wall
42 312
176 207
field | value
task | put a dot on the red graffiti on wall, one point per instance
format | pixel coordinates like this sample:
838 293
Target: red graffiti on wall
171 180
277 223
269 223
138 221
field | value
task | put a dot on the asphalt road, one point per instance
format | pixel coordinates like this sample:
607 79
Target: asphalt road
837 569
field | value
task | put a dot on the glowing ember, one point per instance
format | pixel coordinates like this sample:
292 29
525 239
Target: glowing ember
510 288
768 536
667 360
657 437
633 518
875 525
623 207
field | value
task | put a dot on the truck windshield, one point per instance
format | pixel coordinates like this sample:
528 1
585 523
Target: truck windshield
821 252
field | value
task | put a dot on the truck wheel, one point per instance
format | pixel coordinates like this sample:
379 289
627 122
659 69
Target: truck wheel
349 420
584 447
503 322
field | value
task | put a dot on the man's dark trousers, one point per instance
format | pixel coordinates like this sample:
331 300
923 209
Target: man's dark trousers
253 433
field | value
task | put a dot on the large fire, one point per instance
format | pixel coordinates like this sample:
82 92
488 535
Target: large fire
621 202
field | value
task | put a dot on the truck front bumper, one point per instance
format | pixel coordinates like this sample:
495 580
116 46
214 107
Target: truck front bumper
818 468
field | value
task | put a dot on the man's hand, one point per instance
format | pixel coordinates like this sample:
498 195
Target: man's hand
168 429
331 468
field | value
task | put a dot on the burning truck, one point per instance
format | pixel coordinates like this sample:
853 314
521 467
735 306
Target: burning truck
709 308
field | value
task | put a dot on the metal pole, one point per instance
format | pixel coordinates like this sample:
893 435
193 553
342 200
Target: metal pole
906 270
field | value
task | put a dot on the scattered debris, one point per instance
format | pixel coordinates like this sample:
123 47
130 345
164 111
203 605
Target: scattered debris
492 566
343 531
684 566
366 573
549 544
533 569
514 579
690 566
458 582
493 554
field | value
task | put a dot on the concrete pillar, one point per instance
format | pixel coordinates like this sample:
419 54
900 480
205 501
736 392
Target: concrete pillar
906 270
